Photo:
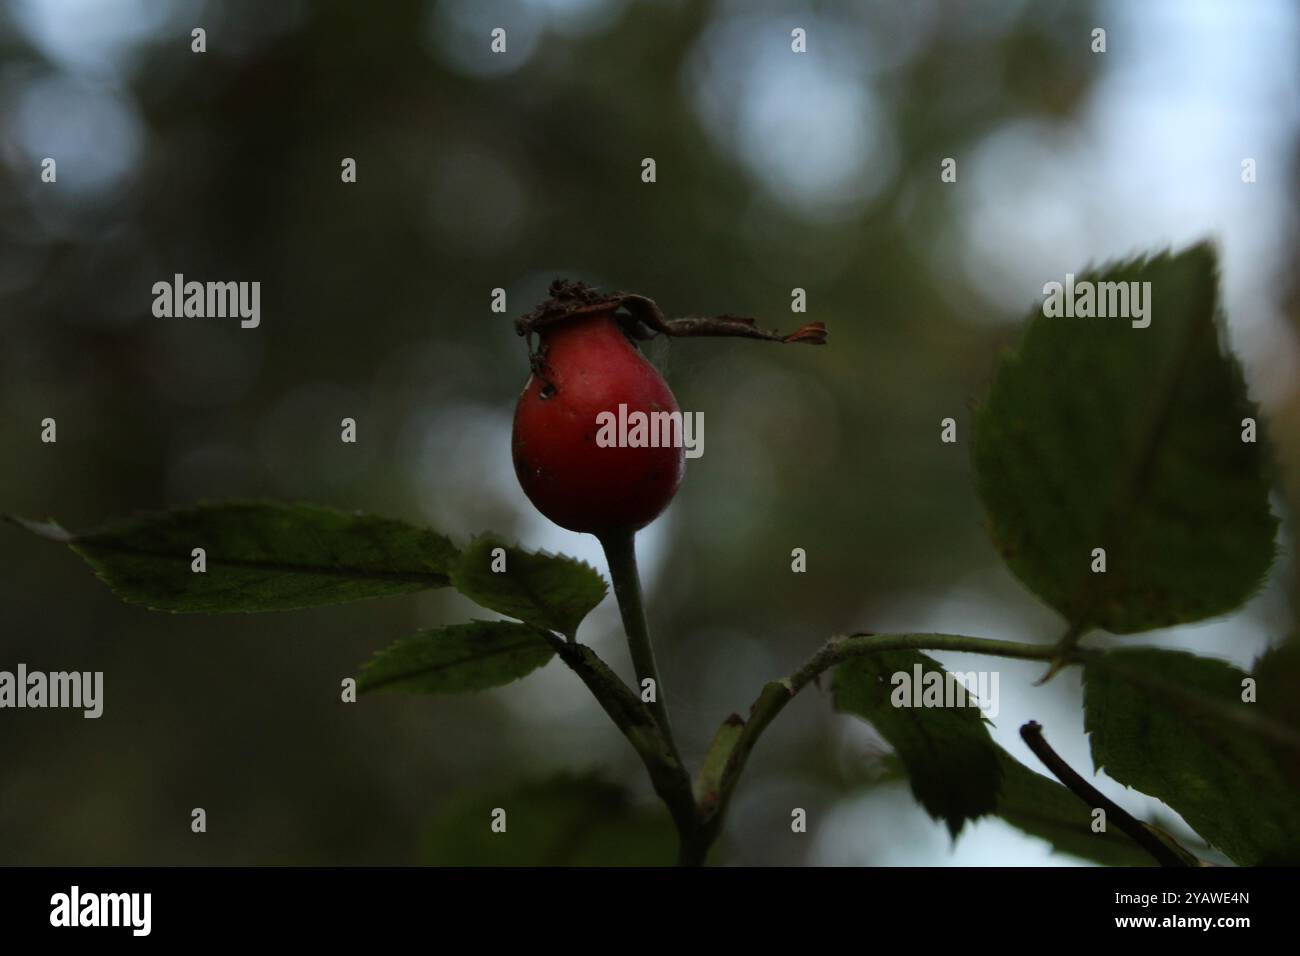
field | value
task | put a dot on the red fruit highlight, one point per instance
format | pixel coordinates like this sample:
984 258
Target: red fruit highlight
589 367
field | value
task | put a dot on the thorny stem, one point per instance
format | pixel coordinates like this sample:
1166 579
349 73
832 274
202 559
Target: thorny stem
776 694
1061 653
698 809
1032 734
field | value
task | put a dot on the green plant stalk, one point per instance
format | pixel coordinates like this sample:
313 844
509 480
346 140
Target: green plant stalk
700 808
714 796
667 774
620 554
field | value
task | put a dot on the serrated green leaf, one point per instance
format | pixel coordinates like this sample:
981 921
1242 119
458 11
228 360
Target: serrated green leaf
546 590
457 659
568 821
1174 725
259 556
1041 807
950 758
1097 434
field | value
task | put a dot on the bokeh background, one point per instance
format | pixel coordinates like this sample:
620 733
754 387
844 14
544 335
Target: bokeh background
477 171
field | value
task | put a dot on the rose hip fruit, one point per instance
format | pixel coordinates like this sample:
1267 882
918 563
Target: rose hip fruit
589 366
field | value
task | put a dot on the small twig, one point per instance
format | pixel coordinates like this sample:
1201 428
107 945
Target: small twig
646 311
1032 734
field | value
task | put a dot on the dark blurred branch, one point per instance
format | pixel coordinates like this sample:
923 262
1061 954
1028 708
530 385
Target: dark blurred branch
1144 836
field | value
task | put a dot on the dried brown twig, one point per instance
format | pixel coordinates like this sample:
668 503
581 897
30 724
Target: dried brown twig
643 319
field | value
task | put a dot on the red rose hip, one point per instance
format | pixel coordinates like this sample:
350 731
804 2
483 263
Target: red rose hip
588 366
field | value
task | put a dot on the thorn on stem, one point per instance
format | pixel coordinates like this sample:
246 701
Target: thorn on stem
1057 665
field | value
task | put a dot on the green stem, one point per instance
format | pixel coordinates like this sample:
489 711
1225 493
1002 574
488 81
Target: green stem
695 846
633 718
620 552
776 694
